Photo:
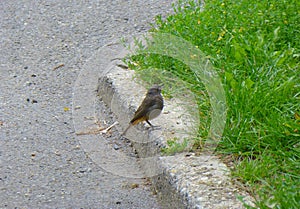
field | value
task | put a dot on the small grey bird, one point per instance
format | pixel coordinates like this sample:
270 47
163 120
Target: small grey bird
150 108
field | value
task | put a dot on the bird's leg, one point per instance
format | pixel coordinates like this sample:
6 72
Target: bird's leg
149 123
152 126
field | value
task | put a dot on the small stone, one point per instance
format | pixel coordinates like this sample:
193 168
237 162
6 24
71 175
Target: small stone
116 147
188 155
77 107
57 153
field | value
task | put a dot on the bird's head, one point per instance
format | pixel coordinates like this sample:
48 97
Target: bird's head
155 89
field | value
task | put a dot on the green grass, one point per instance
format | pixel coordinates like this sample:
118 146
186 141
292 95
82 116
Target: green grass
174 146
254 46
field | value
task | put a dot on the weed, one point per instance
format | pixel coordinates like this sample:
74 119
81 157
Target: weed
174 146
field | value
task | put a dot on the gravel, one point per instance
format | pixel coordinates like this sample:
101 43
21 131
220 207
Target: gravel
44 45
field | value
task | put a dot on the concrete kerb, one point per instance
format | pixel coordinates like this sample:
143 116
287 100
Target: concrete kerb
182 181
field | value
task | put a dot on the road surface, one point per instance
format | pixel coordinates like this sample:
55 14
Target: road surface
44 45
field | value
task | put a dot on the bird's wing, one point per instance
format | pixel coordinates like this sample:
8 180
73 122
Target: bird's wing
143 109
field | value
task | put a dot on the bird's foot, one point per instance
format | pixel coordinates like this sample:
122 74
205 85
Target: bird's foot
153 128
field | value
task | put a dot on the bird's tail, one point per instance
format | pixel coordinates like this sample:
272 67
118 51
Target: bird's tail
123 134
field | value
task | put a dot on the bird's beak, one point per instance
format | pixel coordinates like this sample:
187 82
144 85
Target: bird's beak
160 86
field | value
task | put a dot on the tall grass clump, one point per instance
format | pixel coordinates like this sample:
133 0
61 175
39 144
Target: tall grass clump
254 46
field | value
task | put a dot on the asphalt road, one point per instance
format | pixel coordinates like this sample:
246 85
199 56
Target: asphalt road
43 47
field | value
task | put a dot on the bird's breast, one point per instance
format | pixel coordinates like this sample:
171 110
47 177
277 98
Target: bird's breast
154 113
